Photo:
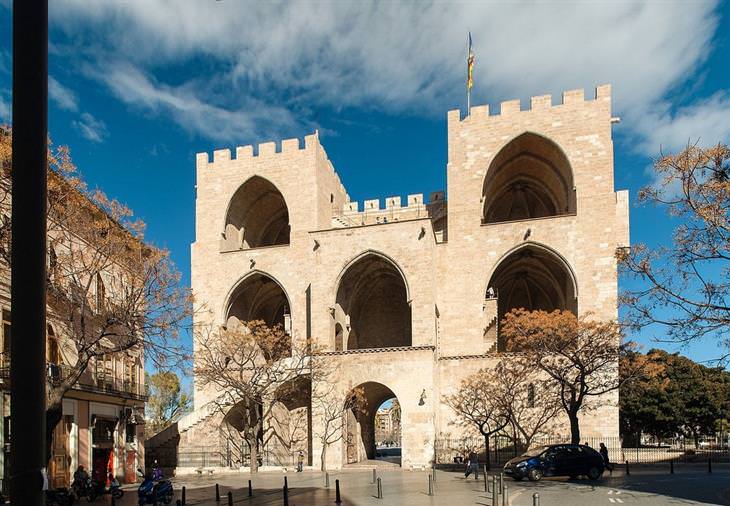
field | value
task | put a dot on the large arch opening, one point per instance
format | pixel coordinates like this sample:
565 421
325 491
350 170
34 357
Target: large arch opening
529 178
532 278
374 428
259 297
257 216
372 305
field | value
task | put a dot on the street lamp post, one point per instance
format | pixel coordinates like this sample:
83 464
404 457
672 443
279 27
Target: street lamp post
28 257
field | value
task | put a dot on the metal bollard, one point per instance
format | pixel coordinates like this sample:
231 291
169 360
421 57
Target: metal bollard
326 480
535 499
230 498
337 492
217 493
671 466
495 491
374 476
430 485
501 483
285 491
433 472
286 483
709 465
250 489
182 498
628 473
380 489
505 496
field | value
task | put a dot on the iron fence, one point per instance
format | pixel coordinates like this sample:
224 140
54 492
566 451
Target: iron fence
454 452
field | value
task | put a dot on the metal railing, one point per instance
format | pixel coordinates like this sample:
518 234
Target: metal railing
452 451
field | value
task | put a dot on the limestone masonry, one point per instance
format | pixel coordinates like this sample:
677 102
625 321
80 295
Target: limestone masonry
407 293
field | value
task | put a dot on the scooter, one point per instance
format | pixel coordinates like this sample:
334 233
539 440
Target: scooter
151 491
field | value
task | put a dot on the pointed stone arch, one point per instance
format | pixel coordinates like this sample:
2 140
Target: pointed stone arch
256 216
530 177
372 301
258 296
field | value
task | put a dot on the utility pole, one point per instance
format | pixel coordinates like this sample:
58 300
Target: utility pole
28 257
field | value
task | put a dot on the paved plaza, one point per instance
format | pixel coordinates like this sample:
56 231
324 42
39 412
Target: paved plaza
646 486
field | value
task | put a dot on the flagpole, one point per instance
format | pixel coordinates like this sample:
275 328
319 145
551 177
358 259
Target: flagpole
468 90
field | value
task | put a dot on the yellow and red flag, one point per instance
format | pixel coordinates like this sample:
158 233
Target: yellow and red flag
470 67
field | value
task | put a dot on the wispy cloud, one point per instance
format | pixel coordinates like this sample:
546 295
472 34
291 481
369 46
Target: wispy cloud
61 95
4 108
91 128
267 63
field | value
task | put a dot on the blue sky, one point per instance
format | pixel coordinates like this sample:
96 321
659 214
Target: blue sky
138 87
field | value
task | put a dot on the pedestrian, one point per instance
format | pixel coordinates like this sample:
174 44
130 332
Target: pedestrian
604 453
300 461
472 464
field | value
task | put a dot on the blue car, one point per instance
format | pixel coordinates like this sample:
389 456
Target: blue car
556 460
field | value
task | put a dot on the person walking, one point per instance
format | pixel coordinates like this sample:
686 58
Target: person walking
472 464
300 461
604 453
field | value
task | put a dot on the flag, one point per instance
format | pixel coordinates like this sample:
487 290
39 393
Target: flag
470 67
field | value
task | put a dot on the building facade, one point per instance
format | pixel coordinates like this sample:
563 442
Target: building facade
102 425
407 295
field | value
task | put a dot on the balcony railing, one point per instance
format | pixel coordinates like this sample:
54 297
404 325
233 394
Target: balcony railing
94 383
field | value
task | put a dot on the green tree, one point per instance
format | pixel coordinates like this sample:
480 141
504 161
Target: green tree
167 401
674 396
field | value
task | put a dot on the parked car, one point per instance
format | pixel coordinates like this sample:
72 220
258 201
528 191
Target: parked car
556 460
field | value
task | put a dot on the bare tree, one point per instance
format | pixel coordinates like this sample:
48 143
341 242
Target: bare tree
332 409
530 401
109 292
580 355
686 284
251 367
477 408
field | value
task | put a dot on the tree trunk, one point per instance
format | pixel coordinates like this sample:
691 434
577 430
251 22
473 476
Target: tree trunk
254 455
574 427
323 466
486 453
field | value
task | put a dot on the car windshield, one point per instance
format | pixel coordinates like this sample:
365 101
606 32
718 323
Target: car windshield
535 451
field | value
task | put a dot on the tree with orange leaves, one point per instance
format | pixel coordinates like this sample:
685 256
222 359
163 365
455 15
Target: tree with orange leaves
686 284
579 355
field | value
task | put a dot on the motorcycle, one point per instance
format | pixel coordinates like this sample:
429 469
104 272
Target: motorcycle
152 491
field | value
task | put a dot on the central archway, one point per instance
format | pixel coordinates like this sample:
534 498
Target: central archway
374 427
372 304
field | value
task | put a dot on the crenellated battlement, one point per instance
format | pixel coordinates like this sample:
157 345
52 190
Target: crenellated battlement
374 212
538 103
262 150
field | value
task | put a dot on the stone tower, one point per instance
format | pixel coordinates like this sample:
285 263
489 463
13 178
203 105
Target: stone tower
407 295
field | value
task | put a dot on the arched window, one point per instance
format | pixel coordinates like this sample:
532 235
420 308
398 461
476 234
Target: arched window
373 297
530 177
257 216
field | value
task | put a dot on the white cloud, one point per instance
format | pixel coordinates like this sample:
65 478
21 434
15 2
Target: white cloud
63 96
91 128
279 58
706 122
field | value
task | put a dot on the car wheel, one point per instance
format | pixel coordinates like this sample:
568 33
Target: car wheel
594 473
534 475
